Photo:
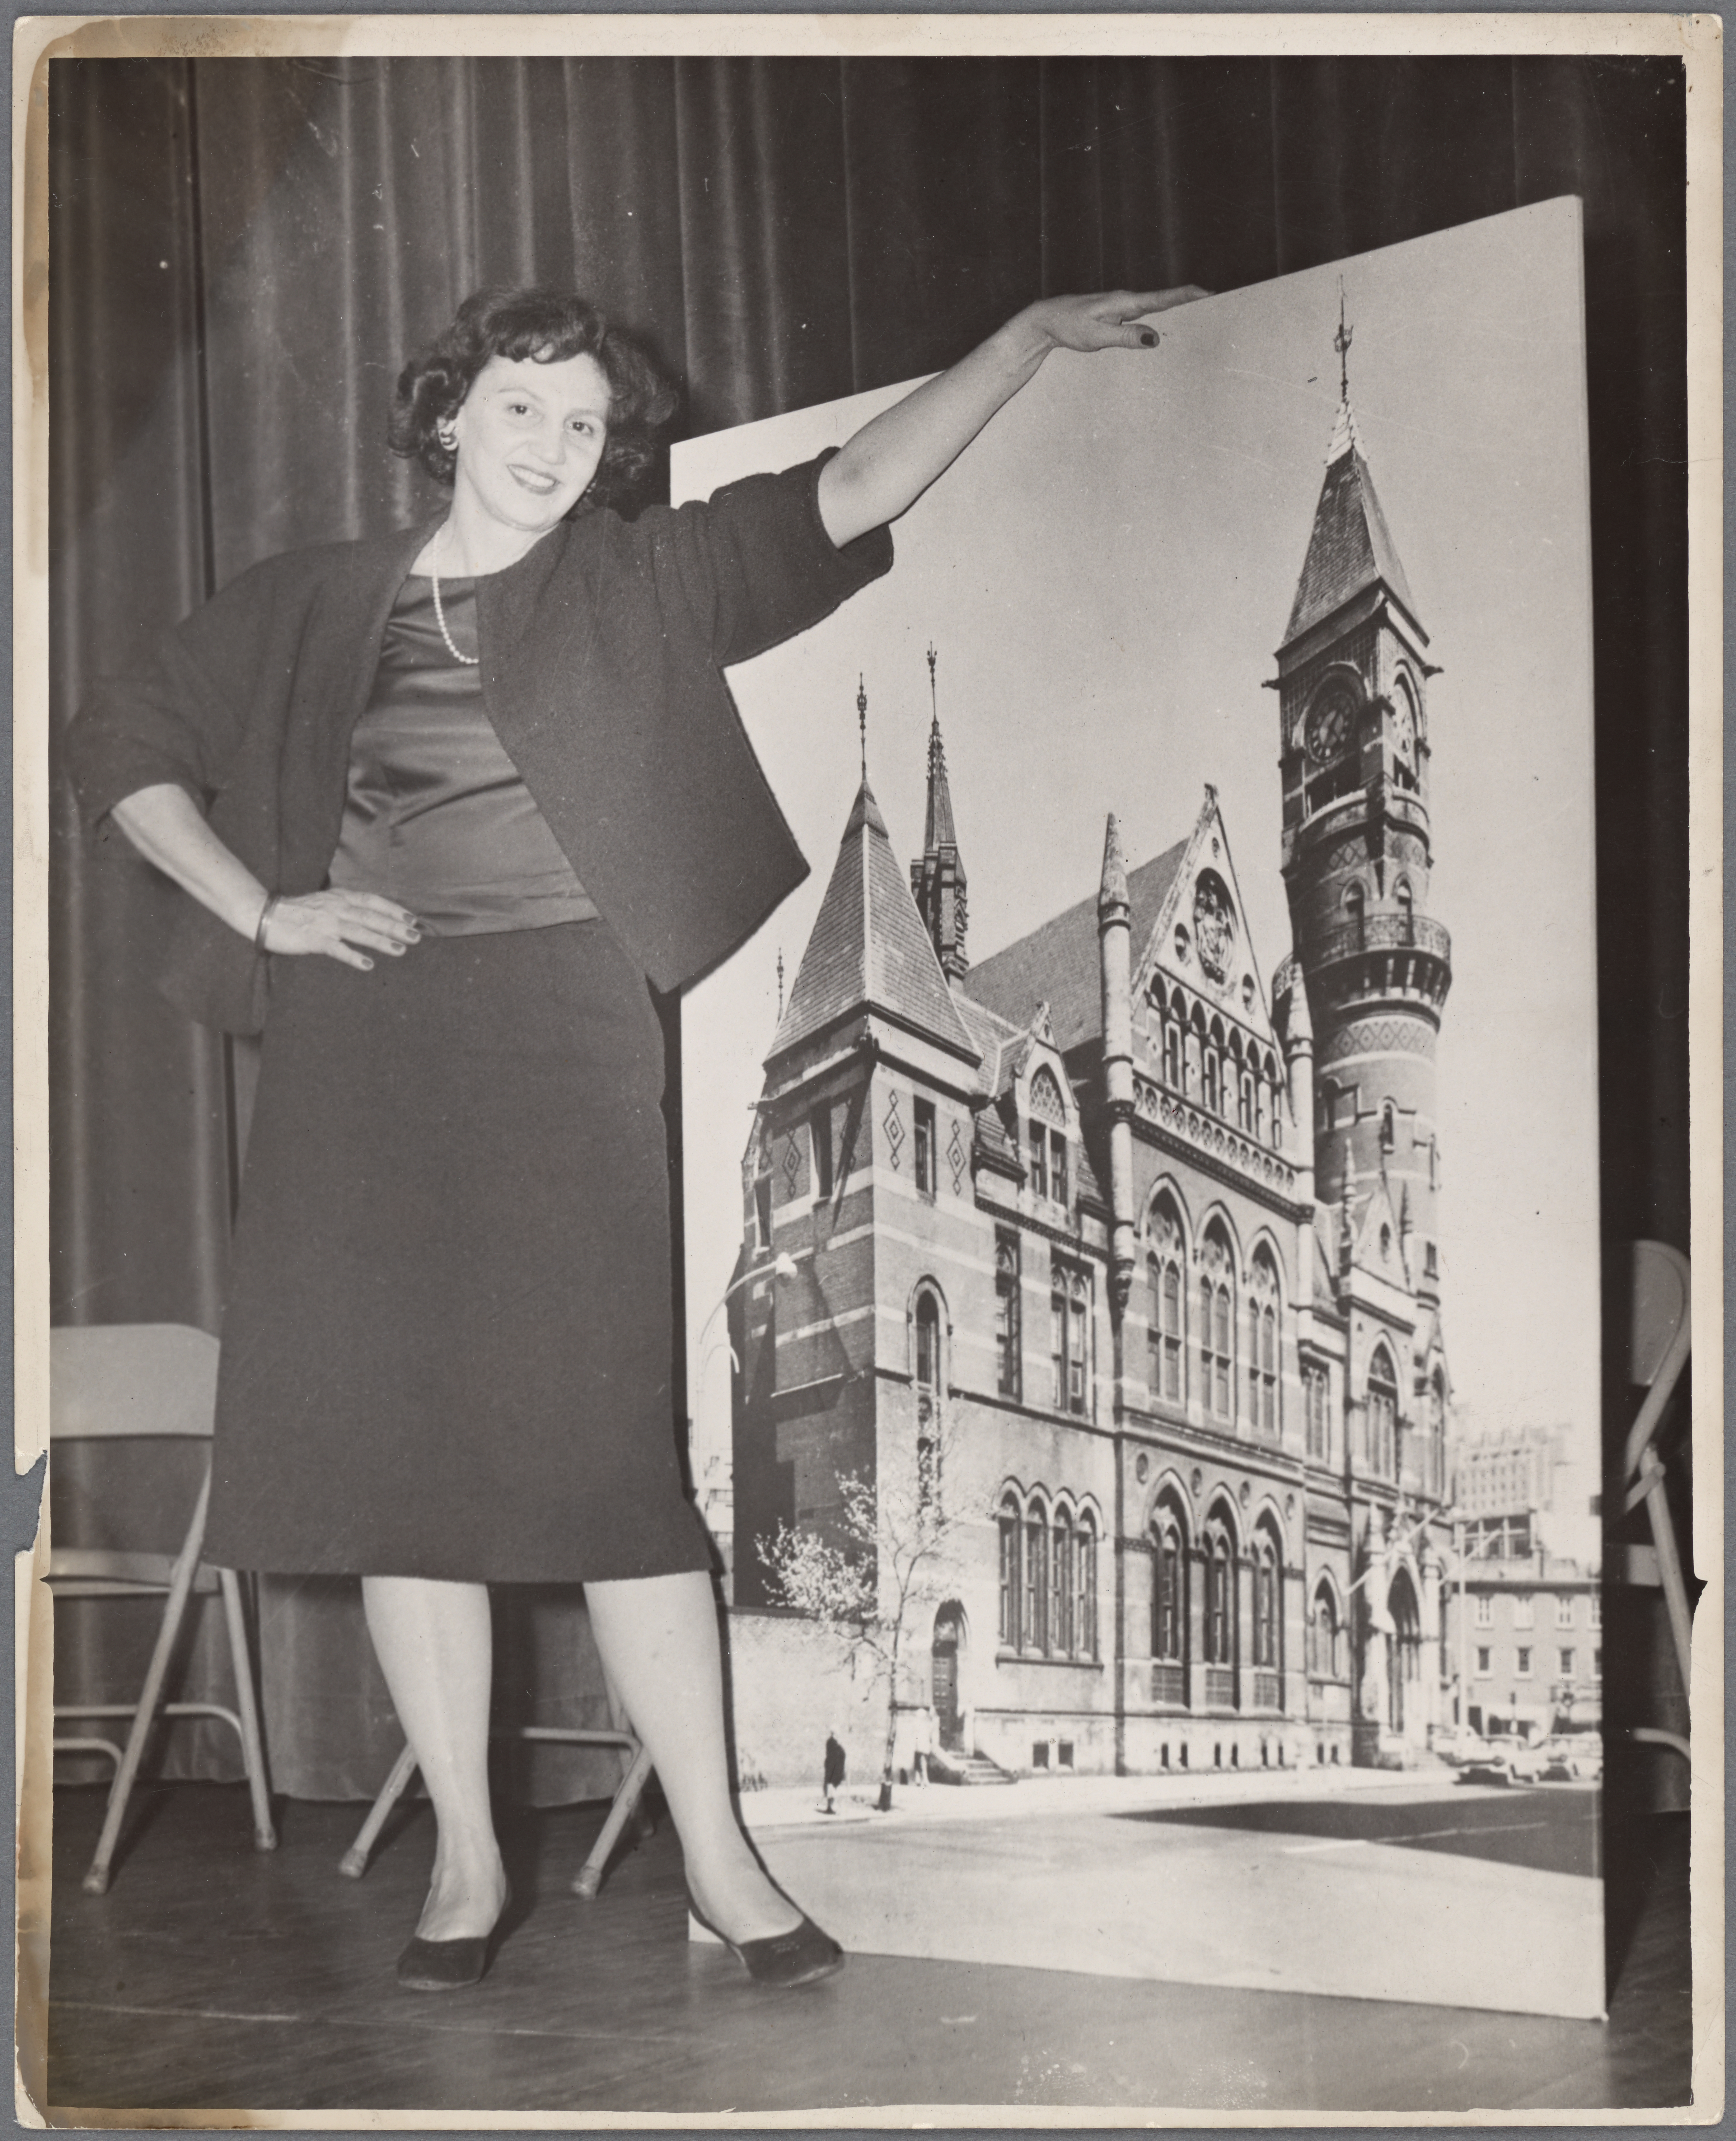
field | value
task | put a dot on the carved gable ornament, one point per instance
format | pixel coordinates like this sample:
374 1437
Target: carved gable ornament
1214 926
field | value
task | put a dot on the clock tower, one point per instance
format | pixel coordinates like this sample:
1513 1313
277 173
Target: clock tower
1352 685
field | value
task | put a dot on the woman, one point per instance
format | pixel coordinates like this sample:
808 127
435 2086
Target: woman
443 802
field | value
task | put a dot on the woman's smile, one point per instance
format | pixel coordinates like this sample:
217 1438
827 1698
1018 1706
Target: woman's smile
530 437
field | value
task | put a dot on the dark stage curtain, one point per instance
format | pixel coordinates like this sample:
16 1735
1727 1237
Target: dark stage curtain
242 253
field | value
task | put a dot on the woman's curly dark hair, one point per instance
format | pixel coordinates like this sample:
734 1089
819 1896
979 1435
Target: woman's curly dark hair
547 325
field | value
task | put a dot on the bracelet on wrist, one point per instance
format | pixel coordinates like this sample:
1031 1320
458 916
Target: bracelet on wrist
265 914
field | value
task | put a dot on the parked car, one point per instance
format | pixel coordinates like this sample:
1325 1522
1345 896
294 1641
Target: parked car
1564 1758
1484 1763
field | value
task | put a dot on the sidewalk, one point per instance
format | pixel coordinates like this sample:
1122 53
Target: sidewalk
798 1806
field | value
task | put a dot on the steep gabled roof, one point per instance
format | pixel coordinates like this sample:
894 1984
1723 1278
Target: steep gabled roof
1349 548
1057 964
999 1043
869 951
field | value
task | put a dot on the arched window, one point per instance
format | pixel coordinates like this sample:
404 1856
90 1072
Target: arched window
1169 1591
1389 1126
928 1384
1061 1566
1402 894
1325 1655
1245 1102
1084 1575
1356 902
1036 1577
1163 1269
1435 1481
1171 1055
1262 1345
1268 1618
928 1342
1216 1327
1070 1326
1012 1587
1383 1414
1214 1085
1220 1618
1316 1391
1048 1129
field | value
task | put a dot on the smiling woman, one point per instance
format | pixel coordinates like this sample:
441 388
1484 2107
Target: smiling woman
445 802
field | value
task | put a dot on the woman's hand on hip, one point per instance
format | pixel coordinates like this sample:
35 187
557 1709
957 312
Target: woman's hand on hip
339 925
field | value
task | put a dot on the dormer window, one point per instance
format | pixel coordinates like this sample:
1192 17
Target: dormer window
1049 1163
1048 1138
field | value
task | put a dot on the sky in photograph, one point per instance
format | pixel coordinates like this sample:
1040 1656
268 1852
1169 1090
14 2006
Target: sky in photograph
1105 574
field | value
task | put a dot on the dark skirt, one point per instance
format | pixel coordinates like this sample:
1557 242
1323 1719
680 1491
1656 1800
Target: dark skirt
446 1350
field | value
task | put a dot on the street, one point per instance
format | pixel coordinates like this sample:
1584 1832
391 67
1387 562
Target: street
1458 1895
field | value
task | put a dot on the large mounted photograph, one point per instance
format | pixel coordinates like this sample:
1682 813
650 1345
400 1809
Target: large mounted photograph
1152 1165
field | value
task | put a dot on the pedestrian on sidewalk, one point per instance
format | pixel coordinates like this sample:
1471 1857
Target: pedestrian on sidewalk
923 1746
832 1776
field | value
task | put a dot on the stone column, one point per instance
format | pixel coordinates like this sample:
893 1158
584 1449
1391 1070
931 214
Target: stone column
1114 913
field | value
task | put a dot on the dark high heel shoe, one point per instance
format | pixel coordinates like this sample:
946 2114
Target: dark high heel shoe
448 1965
801 1956
427 1965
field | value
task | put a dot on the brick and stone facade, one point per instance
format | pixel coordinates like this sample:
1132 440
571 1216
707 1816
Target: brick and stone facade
1147 1247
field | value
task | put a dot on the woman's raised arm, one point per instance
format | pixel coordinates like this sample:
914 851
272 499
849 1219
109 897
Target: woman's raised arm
890 462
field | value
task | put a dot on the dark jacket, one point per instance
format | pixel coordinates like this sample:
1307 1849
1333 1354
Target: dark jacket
602 652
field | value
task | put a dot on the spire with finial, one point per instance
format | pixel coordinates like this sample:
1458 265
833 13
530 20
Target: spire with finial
1344 440
937 879
862 720
781 985
1349 548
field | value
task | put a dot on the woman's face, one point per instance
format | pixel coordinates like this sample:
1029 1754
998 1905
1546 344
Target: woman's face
529 437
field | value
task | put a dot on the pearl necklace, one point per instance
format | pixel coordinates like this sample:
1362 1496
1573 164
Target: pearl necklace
469 660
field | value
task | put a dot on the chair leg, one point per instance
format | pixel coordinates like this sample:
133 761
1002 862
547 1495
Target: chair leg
181 1585
625 1800
1669 1565
265 1835
354 1862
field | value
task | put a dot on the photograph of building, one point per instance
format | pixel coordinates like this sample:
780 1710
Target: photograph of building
1141 1234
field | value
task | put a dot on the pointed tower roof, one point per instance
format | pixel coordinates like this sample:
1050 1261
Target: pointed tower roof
1350 548
869 951
938 829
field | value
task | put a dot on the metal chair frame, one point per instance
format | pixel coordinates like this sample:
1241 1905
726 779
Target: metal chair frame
1662 1289
116 1382
354 1863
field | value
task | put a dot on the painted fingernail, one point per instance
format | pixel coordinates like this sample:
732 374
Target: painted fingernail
1148 336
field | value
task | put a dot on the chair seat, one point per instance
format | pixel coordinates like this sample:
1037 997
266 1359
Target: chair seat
82 1572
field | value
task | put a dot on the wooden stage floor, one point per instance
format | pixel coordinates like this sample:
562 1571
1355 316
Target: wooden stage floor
212 1977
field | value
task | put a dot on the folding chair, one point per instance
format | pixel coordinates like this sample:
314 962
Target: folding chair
1662 1335
110 1382
622 1809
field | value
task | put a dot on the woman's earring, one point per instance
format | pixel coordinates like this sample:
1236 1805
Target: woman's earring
447 436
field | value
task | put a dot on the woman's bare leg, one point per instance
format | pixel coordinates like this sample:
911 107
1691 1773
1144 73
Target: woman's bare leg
657 1635
434 1642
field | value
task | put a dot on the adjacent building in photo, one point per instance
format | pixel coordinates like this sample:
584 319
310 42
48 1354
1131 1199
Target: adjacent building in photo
1134 1242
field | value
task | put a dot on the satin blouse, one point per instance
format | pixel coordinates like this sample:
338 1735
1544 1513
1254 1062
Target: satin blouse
436 815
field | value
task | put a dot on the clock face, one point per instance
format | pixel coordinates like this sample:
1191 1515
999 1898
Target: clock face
1331 721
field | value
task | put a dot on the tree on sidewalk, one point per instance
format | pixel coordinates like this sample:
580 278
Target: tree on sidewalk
862 1588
